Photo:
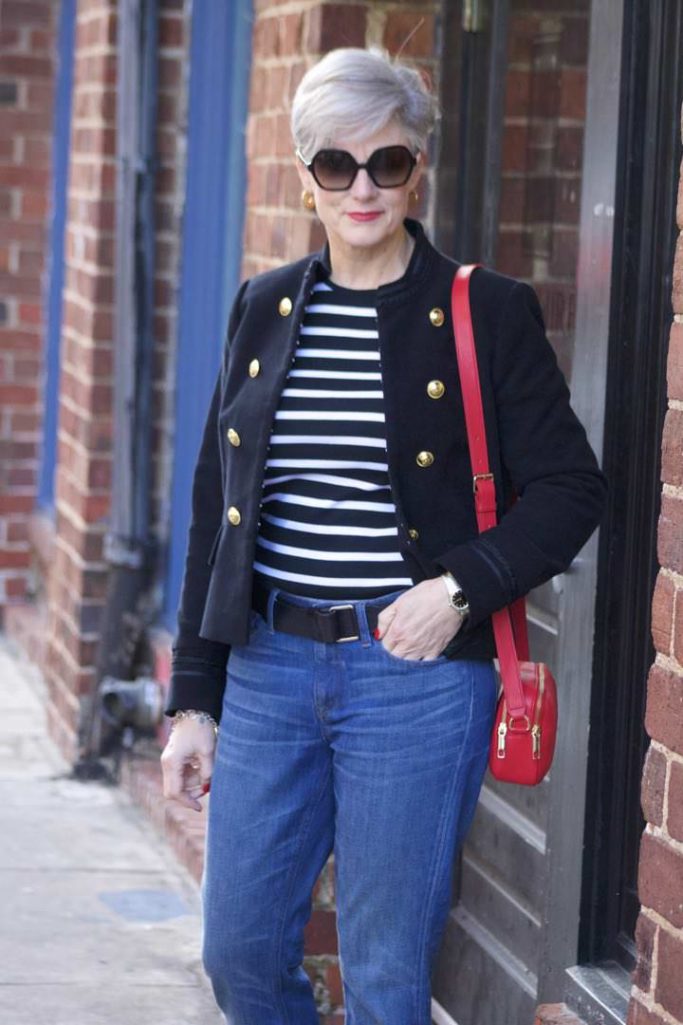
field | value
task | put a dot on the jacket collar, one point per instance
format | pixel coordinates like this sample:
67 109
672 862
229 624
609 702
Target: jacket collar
420 266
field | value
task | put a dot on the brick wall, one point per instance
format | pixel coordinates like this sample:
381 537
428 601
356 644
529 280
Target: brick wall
542 148
27 44
657 996
78 575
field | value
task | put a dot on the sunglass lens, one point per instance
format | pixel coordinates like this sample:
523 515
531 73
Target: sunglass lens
333 168
391 166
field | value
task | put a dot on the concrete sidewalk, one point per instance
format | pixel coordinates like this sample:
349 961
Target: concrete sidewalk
100 924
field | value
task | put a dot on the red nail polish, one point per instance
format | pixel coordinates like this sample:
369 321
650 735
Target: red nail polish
375 633
206 787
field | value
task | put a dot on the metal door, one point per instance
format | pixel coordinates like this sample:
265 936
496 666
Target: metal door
512 174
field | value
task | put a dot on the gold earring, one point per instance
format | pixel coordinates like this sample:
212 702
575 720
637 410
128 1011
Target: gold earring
414 195
308 199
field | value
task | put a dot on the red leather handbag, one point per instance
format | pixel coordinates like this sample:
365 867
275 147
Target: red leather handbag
523 739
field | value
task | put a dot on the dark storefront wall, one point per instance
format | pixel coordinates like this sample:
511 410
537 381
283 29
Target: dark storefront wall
531 96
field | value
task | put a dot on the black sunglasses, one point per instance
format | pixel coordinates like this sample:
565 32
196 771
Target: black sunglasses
336 170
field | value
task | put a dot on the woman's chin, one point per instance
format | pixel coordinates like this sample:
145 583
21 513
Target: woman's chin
367 233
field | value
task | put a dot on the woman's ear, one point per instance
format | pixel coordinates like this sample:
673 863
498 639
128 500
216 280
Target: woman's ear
418 170
305 176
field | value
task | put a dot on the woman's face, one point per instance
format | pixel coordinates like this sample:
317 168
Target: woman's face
363 215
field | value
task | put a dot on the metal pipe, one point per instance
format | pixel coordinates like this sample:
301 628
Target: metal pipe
128 546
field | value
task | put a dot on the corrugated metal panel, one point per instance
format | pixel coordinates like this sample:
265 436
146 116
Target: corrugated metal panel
212 241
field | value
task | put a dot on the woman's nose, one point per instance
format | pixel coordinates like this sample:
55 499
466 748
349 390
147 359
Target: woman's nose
363 185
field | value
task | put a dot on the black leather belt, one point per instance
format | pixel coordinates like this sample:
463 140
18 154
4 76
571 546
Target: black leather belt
330 623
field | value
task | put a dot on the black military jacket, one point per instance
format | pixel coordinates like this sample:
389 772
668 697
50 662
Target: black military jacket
536 446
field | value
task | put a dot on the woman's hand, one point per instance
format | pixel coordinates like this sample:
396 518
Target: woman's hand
420 623
187 762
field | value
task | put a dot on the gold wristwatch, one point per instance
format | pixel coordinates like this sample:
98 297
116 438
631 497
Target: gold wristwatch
456 597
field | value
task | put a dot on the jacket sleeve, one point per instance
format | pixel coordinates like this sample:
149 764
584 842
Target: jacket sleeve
545 452
198 666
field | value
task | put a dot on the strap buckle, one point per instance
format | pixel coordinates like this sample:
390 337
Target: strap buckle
339 608
480 476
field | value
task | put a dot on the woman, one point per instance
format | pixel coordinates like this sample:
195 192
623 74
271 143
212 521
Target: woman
334 557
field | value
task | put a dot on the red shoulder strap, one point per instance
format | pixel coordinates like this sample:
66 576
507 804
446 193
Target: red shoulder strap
485 488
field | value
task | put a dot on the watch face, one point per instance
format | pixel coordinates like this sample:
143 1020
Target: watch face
460 602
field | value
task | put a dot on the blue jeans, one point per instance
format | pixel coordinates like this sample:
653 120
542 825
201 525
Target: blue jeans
338 747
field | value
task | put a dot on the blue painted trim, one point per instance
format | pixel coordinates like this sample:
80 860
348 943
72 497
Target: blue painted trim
213 219
52 299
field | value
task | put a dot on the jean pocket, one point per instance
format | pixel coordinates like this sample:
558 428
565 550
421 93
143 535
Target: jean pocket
439 660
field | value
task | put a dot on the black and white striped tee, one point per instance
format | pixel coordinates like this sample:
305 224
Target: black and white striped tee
328 524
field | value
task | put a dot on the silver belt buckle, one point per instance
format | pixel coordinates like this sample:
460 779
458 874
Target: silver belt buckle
335 608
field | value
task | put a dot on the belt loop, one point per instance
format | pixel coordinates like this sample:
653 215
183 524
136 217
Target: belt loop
363 627
272 595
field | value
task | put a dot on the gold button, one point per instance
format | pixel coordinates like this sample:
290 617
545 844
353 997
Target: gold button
233 437
437 316
435 389
285 306
254 368
413 533
424 458
234 516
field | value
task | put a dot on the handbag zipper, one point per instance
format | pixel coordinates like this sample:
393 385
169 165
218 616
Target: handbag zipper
536 728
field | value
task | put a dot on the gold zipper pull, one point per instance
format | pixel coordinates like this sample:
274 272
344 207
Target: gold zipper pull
536 741
502 730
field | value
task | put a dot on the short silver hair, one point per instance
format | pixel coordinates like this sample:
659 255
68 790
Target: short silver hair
353 93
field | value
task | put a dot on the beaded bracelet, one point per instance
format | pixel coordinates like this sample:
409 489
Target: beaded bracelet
193 713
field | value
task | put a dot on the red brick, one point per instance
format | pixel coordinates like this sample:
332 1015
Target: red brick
320 933
16 588
670 534
664 710
24 177
41 40
678 627
18 395
572 93
672 448
669 991
17 531
573 42
674 369
9 38
674 820
39 97
171 30
26 64
410 33
265 37
660 879
654 782
24 121
515 147
21 13
333 25
170 72
35 205
12 558
639 1015
646 931
663 613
